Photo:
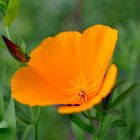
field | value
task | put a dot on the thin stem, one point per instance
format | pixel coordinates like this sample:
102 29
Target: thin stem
100 127
89 117
102 119
38 114
7 32
32 114
36 131
27 131
89 114
1 93
35 121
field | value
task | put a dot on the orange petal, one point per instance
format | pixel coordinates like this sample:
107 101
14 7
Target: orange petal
98 43
57 59
28 87
107 85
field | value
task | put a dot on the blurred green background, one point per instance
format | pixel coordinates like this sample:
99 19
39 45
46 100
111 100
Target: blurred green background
39 19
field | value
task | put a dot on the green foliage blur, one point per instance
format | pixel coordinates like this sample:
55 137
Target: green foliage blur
39 19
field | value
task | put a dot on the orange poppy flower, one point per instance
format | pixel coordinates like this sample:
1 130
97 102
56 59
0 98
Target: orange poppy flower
70 69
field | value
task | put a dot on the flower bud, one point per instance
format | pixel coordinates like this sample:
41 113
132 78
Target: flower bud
16 51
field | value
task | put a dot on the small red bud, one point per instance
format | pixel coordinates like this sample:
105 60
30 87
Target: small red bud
15 51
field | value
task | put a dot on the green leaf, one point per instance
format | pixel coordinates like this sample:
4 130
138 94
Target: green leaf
3 124
117 85
105 124
2 4
2 7
118 123
23 113
9 118
80 123
11 12
120 83
115 112
123 96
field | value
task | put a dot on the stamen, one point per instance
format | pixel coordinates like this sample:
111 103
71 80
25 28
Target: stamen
80 90
83 97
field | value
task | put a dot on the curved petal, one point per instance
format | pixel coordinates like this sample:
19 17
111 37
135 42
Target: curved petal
57 59
98 43
107 85
28 87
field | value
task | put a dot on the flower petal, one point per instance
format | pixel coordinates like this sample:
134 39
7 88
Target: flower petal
98 43
28 87
57 59
106 87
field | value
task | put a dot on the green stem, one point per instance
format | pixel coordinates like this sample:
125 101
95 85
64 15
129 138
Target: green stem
90 116
35 121
38 114
7 32
1 93
27 131
36 131
102 119
94 136
100 129
32 113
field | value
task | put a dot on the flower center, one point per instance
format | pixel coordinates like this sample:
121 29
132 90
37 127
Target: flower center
81 91
83 96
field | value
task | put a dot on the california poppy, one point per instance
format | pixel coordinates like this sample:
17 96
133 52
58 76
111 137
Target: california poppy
71 69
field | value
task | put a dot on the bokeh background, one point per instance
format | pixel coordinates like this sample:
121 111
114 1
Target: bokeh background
39 19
